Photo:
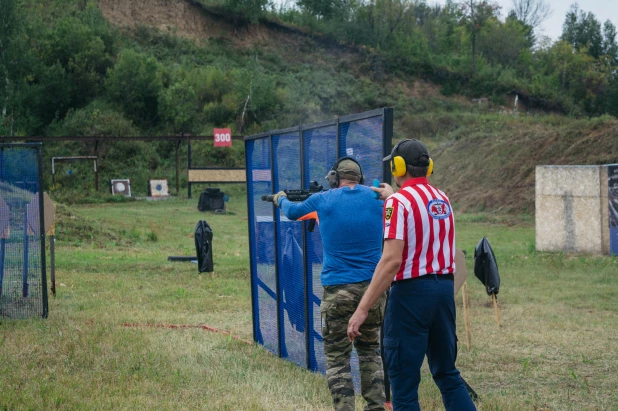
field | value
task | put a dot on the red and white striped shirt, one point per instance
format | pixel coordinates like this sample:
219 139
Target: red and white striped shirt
421 216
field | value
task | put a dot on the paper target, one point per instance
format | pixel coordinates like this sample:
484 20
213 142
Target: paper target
121 187
158 188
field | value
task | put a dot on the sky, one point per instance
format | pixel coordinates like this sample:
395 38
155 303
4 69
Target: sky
552 27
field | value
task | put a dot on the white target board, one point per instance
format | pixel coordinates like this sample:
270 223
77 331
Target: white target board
121 187
158 188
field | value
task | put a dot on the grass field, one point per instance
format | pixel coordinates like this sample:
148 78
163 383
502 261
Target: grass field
557 348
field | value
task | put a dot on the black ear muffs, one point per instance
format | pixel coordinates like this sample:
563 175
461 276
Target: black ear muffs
333 178
333 175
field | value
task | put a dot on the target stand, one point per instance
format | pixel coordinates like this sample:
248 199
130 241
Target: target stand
73 159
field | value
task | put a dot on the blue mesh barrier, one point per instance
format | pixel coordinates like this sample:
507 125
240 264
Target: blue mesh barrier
290 252
286 258
23 292
358 140
320 153
262 229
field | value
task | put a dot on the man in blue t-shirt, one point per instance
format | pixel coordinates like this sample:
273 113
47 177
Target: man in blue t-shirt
350 221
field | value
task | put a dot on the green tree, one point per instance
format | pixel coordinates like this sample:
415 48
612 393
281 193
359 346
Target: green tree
582 29
475 13
326 9
134 82
96 119
576 74
502 43
251 9
179 104
8 55
610 48
82 53
256 96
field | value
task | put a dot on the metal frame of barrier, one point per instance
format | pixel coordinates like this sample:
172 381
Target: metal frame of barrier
289 326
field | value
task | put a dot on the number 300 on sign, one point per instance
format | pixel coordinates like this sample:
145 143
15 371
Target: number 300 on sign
223 137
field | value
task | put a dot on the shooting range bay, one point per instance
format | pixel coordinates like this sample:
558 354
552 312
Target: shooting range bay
556 314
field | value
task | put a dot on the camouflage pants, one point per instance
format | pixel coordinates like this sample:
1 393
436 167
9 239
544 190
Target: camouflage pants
338 304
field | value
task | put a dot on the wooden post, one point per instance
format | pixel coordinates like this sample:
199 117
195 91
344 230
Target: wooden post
495 299
466 308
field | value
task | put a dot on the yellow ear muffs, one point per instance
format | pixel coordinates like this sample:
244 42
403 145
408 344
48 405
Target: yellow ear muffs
430 168
398 166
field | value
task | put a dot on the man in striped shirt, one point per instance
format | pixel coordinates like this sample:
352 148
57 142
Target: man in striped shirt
418 259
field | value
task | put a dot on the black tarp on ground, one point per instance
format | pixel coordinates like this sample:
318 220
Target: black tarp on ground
485 267
203 247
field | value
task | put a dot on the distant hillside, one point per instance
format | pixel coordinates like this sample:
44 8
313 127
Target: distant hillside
485 158
154 67
489 164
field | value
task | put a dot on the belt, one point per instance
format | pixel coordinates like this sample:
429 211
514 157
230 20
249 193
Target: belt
439 277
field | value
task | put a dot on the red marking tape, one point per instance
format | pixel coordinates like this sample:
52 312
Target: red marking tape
187 326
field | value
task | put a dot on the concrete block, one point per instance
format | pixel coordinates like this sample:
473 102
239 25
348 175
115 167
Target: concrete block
569 204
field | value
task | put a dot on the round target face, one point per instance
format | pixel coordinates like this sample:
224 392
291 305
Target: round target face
122 187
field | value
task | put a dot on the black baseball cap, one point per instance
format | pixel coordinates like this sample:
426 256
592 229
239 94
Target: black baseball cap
414 153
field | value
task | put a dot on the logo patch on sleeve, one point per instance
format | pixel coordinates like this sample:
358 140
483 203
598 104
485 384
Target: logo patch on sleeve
439 209
388 212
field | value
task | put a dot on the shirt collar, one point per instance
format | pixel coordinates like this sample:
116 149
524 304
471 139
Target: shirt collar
414 181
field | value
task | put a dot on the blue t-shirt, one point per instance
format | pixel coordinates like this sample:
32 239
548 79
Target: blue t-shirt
351 229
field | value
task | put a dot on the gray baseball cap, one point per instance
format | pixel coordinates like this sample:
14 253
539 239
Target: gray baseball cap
348 167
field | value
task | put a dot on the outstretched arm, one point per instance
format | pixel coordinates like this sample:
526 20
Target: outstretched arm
294 211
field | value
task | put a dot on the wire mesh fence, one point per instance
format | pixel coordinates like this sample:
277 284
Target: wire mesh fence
23 292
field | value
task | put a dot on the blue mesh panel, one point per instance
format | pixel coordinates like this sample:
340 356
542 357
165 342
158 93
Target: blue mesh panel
285 326
262 230
320 146
363 140
23 291
290 253
320 150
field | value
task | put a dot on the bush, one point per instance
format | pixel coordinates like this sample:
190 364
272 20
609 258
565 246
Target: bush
134 82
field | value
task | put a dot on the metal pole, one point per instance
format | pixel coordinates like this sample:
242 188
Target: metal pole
387 142
42 232
280 347
306 264
52 262
25 263
2 250
338 141
252 255
188 165
177 168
